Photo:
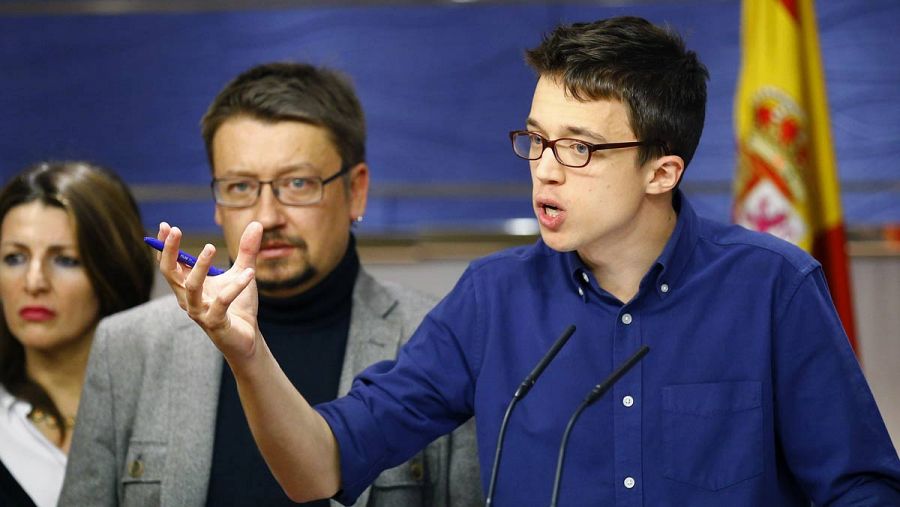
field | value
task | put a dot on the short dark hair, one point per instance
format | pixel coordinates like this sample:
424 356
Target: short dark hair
644 66
107 227
286 91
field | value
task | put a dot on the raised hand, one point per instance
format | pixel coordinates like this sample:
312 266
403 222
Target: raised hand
225 306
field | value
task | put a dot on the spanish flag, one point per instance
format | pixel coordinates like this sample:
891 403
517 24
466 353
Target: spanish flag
786 182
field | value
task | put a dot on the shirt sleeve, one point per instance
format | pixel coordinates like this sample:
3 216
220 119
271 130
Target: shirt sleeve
834 439
396 408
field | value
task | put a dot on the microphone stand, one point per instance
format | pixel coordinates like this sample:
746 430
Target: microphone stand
595 394
520 393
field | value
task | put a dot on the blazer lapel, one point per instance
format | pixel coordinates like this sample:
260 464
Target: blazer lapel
193 397
373 337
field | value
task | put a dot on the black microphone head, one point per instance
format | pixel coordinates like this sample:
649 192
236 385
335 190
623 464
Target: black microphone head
602 387
592 396
523 389
532 377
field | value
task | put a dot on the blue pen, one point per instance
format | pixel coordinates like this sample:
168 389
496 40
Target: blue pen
187 260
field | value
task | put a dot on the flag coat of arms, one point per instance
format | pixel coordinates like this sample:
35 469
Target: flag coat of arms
786 182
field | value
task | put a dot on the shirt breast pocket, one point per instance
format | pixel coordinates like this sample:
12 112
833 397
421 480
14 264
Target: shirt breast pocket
712 433
143 473
401 485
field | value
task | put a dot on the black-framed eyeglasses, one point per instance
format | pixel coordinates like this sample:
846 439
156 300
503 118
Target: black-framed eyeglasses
289 190
568 152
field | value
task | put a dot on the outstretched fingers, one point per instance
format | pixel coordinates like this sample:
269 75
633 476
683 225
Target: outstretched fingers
224 306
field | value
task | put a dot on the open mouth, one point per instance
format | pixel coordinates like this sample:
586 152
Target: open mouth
550 215
551 211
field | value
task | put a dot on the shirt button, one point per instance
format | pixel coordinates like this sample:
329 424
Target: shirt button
629 482
626 319
417 471
136 468
585 277
664 288
628 401
580 292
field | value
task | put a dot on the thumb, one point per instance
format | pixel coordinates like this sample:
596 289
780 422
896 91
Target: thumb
249 247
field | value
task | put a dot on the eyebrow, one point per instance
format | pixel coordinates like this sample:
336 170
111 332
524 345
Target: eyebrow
300 166
570 130
52 248
583 132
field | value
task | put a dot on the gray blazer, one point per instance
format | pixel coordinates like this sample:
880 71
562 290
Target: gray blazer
147 415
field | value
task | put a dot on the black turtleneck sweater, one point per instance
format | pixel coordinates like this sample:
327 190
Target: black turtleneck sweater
307 334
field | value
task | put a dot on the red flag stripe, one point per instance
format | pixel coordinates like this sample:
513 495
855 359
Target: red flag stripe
791 6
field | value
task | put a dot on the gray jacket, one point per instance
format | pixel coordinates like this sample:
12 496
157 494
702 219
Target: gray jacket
147 415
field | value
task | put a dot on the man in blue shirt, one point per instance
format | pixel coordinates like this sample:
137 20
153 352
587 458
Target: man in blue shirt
751 395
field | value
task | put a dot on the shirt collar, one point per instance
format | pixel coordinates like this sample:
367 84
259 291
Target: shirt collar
579 273
9 404
6 399
680 246
666 271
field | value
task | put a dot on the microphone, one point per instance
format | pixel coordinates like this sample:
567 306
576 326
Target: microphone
520 393
595 394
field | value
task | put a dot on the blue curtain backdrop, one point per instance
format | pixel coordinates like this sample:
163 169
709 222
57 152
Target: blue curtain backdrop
441 85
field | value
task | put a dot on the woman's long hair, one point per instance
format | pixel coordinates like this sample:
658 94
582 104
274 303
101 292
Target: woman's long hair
108 230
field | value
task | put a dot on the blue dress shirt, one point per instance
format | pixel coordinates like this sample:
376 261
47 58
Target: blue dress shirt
750 395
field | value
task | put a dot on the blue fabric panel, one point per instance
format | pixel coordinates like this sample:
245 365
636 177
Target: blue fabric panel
441 84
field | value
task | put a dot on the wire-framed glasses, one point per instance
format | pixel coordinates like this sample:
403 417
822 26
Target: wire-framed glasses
568 152
291 190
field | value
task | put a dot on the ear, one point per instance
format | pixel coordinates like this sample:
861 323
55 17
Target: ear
218 215
665 174
359 190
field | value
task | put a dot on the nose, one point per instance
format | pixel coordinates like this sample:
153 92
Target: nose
547 169
268 209
36 280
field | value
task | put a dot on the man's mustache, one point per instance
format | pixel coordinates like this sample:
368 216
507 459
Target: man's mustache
278 237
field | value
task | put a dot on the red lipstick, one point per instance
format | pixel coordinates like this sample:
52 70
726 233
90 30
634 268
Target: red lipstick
36 313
